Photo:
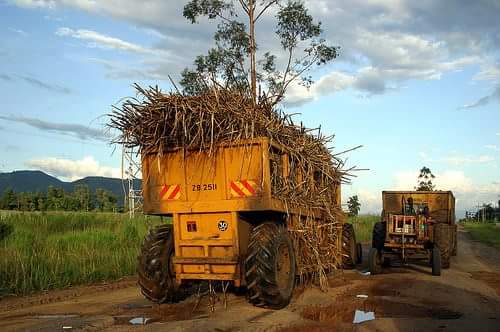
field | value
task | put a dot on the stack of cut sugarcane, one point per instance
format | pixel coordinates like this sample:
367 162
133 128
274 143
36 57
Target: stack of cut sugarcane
157 122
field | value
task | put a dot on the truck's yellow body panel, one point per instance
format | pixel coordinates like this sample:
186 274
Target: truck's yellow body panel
208 196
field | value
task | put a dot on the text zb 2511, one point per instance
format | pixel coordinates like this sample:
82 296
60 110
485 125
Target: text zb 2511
204 187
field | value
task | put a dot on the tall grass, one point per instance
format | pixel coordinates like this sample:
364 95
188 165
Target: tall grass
487 233
40 251
363 226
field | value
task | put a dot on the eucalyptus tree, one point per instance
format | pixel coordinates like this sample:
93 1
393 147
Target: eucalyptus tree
425 180
233 62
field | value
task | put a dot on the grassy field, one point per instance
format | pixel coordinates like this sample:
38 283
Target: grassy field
40 251
363 226
487 233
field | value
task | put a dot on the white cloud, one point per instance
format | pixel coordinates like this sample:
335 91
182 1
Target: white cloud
489 71
483 101
468 193
35 3
461 160
327 85
19 32
403 57
492 147
100 40
447 180
371 201
424 156
386 42
73 169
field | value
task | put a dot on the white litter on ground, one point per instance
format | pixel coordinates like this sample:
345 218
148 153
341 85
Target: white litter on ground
366 273
67 327
139 321
362 296
361 316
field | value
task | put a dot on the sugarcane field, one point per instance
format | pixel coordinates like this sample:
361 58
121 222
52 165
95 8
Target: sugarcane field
250 165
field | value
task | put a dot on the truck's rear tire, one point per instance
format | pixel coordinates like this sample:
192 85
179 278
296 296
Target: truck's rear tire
156 273
442 238
359 253
378 235
270 266
375 261
436 261
349 247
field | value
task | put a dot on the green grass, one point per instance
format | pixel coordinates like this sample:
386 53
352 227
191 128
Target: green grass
487 233
41 251
363 226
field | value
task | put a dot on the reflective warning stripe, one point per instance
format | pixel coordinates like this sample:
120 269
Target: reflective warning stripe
243 188
236 190
170 192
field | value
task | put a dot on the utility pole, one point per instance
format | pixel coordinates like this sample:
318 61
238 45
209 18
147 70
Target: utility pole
131 170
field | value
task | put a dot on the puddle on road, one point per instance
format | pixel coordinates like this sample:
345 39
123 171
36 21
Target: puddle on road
444 313
138 314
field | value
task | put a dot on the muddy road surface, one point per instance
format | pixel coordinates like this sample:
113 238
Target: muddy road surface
465 298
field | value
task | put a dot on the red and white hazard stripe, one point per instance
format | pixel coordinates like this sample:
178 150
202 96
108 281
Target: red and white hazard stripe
244 188
170 192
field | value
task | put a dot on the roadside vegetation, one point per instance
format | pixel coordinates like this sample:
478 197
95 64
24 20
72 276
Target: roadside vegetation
363 226
57 199
486 232
41 251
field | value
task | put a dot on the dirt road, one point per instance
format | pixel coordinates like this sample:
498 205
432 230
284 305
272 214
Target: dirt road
465 298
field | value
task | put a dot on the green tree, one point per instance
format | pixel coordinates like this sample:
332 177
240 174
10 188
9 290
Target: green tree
232 63
106 201
425 180
25 201
9 199
353 205
40 201
83 196
55 198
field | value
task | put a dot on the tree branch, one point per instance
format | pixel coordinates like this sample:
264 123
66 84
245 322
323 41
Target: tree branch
265 8
224 18
244 6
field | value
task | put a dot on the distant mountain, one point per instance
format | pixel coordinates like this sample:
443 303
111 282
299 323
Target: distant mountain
33 181
29 181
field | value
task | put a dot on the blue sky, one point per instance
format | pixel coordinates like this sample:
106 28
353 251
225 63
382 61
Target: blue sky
416 84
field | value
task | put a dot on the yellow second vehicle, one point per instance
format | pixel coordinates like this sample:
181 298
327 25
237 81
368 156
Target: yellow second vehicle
227 224
415 225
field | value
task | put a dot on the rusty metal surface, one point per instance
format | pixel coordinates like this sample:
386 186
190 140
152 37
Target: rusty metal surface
441 204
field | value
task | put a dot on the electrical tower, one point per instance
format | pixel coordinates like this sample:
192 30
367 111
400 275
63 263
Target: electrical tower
131 172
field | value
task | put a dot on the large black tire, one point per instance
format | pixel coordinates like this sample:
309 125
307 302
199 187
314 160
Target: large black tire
359 253
156 273
375 261
349 247
442 239
270 266
378 235
436 261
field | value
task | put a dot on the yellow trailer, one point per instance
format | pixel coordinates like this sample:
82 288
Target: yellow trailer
227 223
415 225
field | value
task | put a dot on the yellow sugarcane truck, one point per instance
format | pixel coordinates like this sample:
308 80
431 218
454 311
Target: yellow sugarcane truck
415 225
227 225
